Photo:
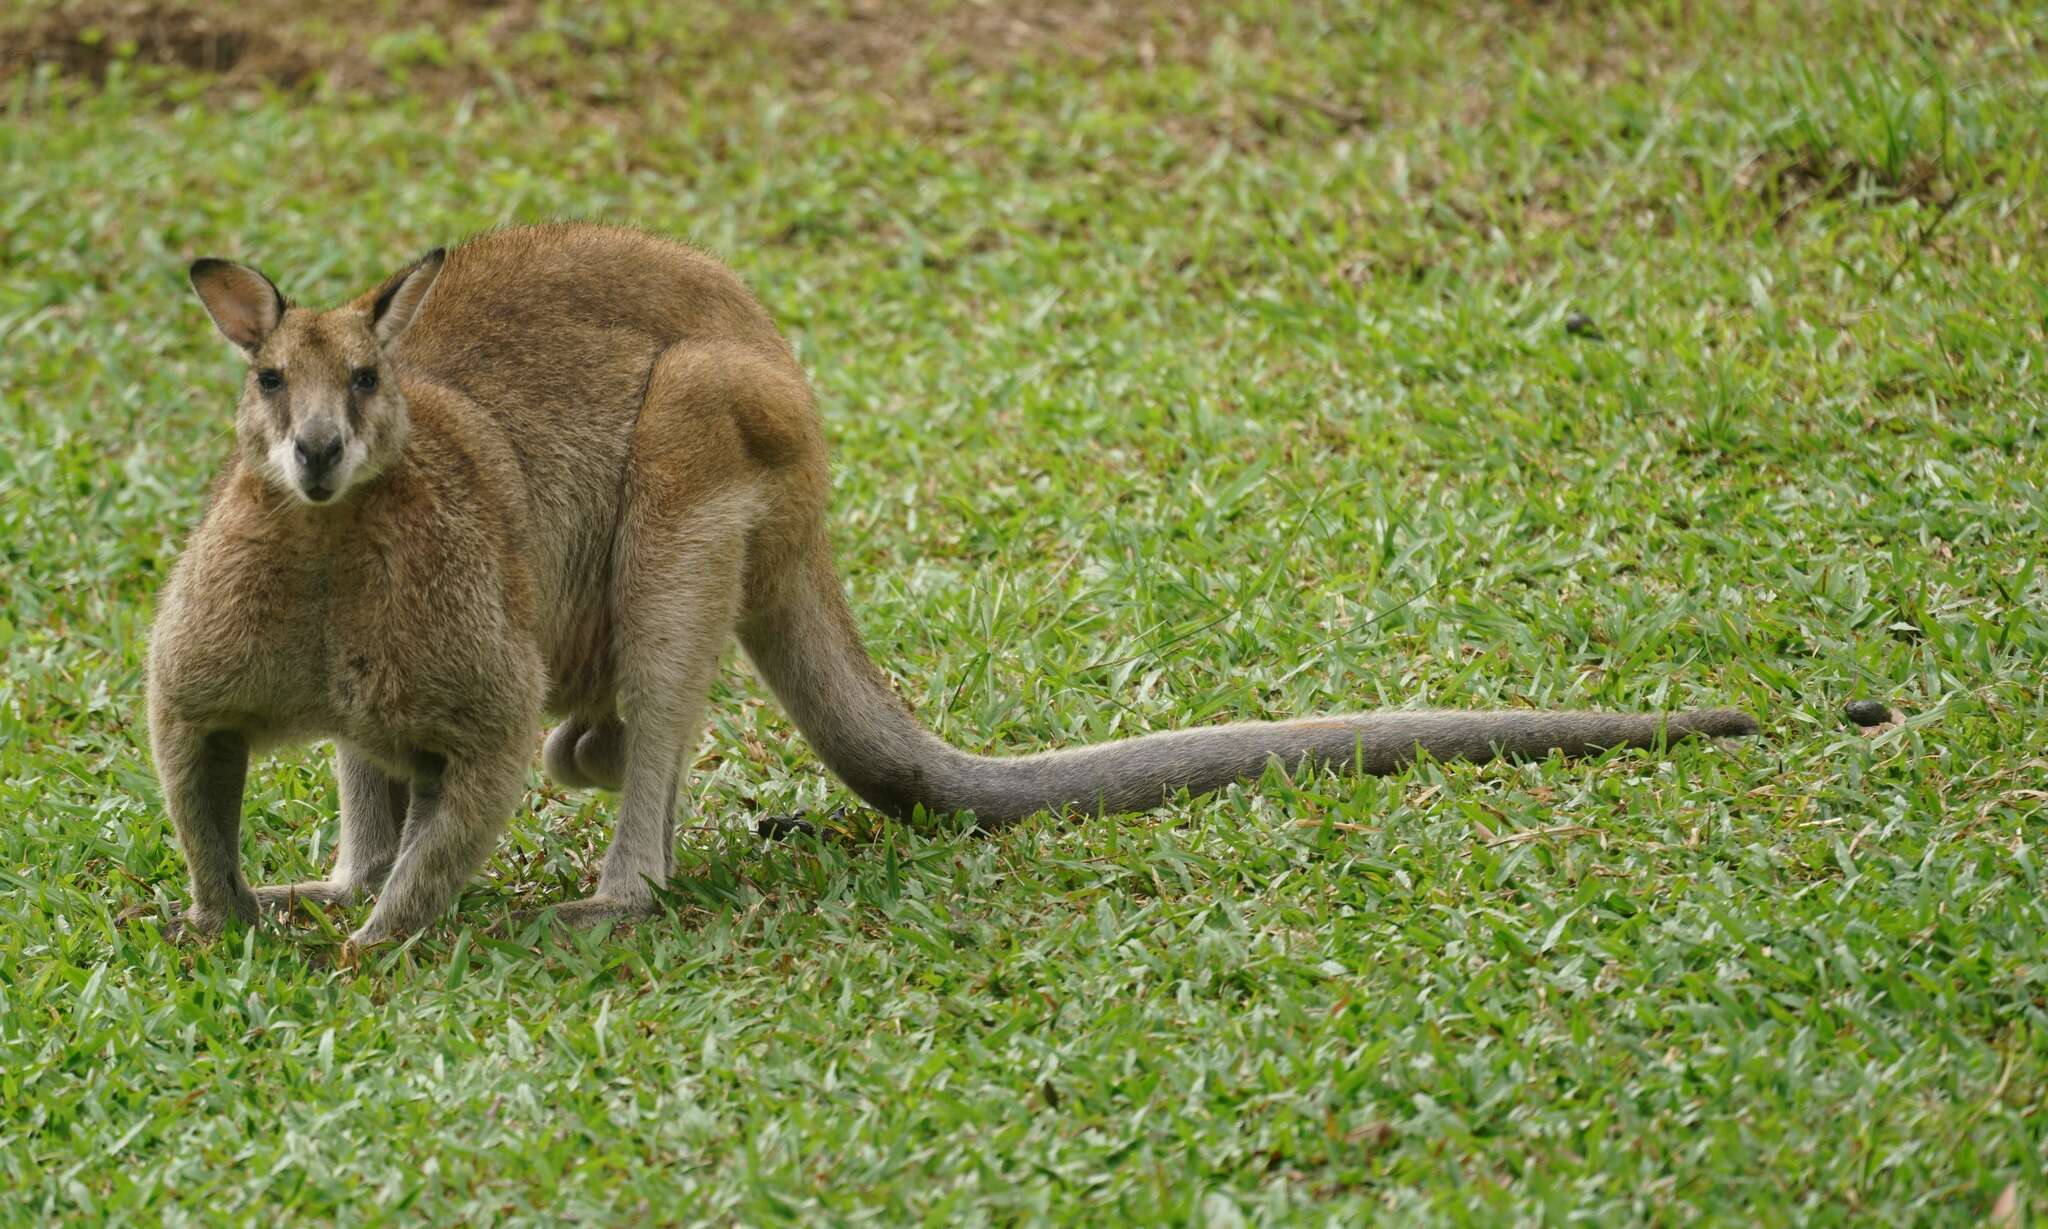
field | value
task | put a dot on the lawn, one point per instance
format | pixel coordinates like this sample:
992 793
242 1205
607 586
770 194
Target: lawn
1183 363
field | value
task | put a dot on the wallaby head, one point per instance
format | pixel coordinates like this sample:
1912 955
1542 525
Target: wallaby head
320 410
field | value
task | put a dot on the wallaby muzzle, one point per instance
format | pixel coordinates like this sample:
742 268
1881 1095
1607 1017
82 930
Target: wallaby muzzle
318 450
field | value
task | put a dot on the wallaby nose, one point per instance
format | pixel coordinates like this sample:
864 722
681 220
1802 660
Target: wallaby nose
317 452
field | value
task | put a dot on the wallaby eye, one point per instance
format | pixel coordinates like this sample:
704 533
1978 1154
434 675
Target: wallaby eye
270 379
365 380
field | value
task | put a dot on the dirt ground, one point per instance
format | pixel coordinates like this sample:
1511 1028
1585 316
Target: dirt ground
277 43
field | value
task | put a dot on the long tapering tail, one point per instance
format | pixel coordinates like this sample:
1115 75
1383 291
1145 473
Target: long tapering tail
804 642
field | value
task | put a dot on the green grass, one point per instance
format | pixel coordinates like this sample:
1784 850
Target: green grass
1181 366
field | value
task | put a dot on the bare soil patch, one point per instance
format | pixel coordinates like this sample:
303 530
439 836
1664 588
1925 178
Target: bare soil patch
1788 181
274 42
885 38
87 40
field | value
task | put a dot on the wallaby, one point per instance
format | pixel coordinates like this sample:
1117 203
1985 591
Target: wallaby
558 469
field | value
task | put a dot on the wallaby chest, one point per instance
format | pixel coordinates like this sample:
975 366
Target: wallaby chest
387 631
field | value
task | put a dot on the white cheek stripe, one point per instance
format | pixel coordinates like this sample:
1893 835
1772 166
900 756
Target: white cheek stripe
281 464
353 454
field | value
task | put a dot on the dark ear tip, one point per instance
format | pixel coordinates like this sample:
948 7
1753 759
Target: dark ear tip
203 266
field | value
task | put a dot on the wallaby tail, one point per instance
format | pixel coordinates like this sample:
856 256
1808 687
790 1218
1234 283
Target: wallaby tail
804 642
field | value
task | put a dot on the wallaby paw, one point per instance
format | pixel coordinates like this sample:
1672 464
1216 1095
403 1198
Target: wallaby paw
195 925
186 930
367 936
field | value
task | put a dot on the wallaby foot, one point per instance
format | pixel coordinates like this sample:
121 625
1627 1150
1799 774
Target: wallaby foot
587 753
280 898
592 910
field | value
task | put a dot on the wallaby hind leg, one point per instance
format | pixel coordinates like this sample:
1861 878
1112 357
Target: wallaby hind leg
681 558
587 753
373 807
679 599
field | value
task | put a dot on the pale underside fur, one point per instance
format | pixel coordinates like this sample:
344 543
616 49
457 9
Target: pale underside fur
569 465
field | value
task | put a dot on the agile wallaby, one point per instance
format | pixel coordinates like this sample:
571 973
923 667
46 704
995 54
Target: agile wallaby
558 469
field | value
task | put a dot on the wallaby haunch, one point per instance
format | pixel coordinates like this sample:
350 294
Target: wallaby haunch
558 469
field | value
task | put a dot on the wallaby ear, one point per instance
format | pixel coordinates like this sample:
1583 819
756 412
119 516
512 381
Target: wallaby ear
399 298
244 304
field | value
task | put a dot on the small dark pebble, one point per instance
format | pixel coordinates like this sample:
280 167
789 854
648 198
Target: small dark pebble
1867 712
779 827
1579 324
782 827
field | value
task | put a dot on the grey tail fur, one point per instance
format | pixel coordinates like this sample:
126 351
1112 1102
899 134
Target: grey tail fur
803 641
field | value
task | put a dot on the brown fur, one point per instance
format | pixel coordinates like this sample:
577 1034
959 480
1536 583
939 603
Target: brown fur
559 470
